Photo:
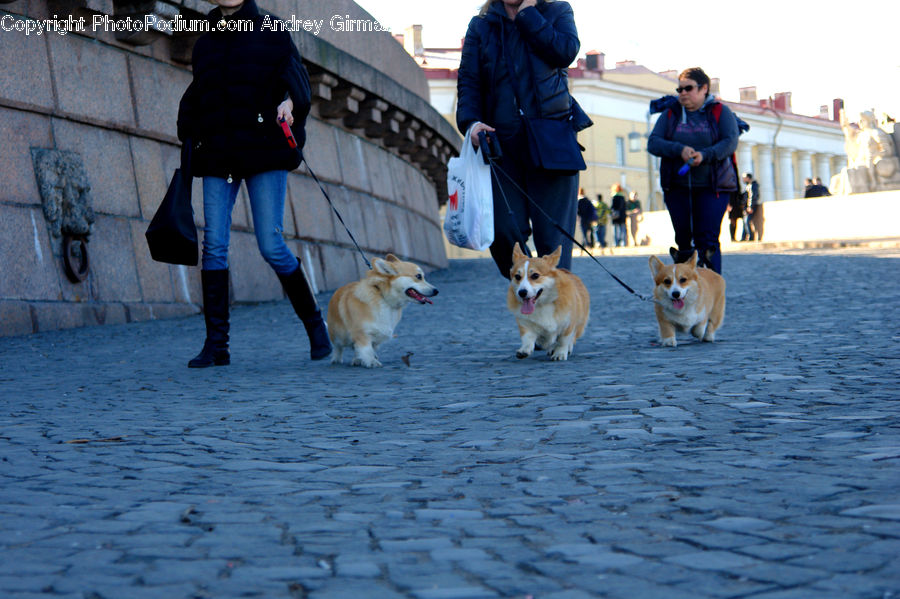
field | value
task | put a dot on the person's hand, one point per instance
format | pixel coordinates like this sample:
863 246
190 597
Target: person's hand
478 128
284 111
697 159
525 4
687 153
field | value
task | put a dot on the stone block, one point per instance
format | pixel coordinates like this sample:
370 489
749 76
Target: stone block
158 88
26 69
407 187
50 316
29 269
15 318
375 214
186 284
312 214
154 164
113 271
321 151
354 168
401 238
155 278
108 162
91 80
379 161
20 131
340 266
311 259
252 279
241 215
350 204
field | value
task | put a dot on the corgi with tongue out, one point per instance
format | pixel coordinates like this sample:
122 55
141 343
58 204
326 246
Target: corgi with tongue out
551 304
688 298
363 314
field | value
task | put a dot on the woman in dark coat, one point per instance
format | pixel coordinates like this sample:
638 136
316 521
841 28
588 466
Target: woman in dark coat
246 81
514 62
701 134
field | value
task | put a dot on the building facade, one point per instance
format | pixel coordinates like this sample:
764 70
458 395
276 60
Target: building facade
781 148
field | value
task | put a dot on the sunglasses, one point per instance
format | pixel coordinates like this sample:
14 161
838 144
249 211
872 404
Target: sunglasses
686 88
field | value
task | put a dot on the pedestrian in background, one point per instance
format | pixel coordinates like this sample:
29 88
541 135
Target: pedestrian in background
513 71
635 215
602 220
245 83
737 212
755 210
619 216
701 133
587 216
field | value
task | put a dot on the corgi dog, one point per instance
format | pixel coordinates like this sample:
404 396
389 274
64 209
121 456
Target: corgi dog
688 298
551 304
363 314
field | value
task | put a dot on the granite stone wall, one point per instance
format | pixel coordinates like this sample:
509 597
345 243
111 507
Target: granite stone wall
110 100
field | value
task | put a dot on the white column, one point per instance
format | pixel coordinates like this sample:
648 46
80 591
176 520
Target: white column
786 174
804 165
766 176
745 158
823 168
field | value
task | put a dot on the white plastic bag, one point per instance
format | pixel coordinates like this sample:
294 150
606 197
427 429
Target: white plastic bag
469 221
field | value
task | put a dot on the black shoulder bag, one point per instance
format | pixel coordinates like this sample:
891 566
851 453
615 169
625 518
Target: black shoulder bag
172 235
552 143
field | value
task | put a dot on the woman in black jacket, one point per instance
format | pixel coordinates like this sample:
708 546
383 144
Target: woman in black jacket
246 81
513 67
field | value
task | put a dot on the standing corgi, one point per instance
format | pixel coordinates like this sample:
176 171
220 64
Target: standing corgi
551 304
363 314
687 298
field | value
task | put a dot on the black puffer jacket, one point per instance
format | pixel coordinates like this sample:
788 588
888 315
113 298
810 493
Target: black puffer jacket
541 42
229 110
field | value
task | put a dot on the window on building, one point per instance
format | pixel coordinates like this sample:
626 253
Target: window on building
620 151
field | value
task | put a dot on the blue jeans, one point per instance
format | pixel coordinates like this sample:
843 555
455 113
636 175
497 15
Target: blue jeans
697 219
620 234
267 192
600 234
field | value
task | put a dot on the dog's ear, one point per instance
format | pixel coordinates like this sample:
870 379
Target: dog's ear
553 259
693 261
655 265
384 267
518 254
392 258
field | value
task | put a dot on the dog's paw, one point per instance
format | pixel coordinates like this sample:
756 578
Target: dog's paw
522 354
668 342
559 356
710 336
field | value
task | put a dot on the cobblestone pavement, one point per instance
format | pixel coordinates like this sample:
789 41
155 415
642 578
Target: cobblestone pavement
765 465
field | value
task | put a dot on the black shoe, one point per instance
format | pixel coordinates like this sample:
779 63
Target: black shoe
215 313
211 355
304 303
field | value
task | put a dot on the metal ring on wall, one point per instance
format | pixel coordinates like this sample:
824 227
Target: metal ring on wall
75 253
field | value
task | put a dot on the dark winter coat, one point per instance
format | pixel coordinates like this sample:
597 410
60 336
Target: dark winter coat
229 110
540 43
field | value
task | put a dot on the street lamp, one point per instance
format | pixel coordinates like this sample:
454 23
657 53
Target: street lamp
634 142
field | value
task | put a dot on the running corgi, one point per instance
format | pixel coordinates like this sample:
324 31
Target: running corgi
551 304
363 314
687 298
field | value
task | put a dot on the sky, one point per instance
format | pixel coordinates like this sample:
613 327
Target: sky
818 50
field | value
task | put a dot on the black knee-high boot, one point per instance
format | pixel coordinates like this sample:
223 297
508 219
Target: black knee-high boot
215 312
304 302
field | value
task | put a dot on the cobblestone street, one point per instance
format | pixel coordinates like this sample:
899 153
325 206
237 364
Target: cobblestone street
764 466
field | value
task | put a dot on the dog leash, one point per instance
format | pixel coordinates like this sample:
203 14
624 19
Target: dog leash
558 227
338 214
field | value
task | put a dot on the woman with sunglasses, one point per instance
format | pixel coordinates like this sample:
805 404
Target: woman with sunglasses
696 138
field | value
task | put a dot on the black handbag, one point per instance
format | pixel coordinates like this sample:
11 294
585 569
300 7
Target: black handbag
552 143
172 235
